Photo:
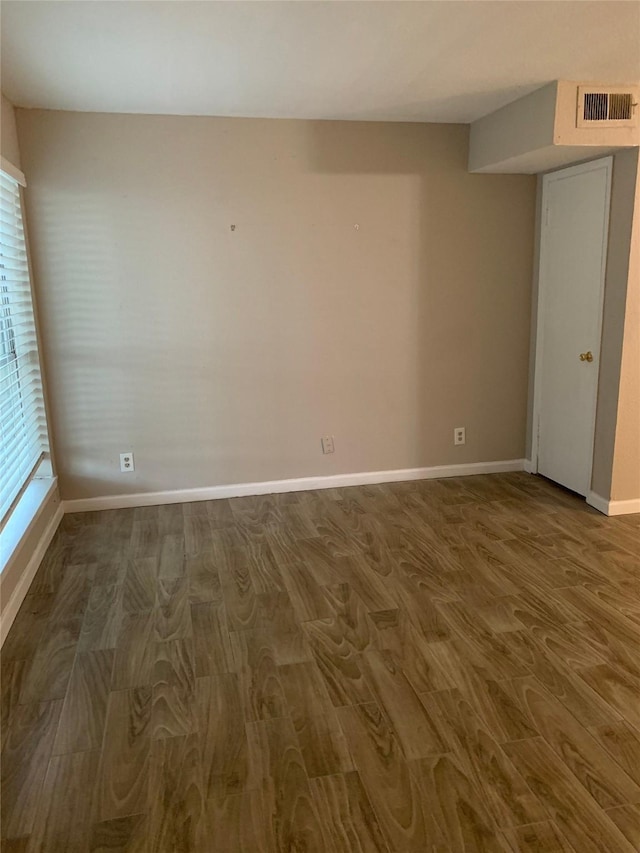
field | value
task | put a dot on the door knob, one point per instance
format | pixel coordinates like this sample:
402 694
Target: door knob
586 356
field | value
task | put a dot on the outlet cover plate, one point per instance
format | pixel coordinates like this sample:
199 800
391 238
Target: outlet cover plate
126 462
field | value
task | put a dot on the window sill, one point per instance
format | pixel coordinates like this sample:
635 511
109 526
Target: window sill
24 516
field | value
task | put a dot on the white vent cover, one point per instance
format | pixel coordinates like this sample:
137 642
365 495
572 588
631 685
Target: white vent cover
607 106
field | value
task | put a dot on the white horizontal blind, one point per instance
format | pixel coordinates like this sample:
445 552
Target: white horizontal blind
23 428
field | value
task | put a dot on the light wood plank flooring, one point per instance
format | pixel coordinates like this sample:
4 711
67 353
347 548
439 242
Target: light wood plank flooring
433 667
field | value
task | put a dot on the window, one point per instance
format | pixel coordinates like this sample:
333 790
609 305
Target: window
23 427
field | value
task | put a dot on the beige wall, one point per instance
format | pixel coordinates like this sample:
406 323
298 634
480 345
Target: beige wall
223 356
8 134
533 334
625 483
623 187
518 128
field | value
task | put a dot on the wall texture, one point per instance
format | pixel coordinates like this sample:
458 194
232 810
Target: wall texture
371 289
8 134
623 188
625 481
518 128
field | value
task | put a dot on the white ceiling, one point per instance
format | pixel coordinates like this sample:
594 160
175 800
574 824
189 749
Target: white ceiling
394 61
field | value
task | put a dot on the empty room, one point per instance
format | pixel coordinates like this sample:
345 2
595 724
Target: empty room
320 426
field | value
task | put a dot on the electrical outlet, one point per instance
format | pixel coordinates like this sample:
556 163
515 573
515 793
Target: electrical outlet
126 461
459 436
327 444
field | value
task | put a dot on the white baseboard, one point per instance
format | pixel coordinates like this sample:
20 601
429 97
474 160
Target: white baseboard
601 504
613 507
10 610
529 467
301 484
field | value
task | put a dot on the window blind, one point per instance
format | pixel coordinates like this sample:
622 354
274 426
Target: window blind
23 428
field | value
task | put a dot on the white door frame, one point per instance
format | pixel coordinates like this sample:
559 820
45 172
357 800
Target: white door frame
591 166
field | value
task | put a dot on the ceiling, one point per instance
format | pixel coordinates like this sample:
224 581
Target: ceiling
391 61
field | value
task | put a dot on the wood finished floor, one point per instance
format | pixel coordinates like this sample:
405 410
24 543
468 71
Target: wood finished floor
434 666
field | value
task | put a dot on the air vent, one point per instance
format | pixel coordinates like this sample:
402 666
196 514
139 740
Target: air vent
606 107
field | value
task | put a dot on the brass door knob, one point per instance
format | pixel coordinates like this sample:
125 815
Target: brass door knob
586 356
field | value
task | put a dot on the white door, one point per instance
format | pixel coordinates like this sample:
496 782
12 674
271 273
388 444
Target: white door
573 252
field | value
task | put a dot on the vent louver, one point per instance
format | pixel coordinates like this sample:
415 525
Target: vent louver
605 107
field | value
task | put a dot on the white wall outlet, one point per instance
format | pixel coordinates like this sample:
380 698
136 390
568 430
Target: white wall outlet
327 444
126 461
459 435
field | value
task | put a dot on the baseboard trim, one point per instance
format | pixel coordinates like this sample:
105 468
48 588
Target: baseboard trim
10 610
597 502
302 484
529 467
613 507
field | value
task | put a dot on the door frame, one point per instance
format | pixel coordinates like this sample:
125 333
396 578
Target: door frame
590 166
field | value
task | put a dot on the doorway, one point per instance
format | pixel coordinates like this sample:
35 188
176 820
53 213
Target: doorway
573 254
